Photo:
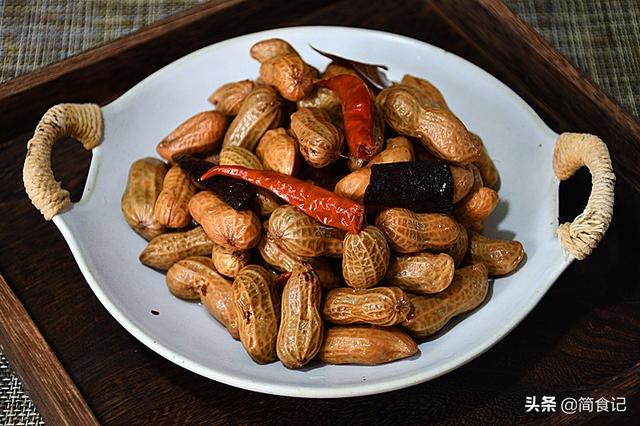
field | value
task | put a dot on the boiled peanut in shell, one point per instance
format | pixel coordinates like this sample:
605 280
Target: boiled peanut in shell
501 257
239 156
172 206
198 135
485 164
301 327
421 273
409 232
289 74
326 100
284 261
319 140
431 95
411 113
303 235
259 112
459 249
264 200
270 48
228 261
258 312
283 68
365 258
167 249
367 345
383 306
226 226
466 292
398 149
196 278
228 98
279 152
476 206
138 201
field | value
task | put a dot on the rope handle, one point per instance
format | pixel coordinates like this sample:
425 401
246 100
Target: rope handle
80 121
572 151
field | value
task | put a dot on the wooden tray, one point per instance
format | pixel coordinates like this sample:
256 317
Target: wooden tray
581 340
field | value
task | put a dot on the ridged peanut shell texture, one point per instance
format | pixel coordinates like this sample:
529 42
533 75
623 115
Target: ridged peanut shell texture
338 68
383 306
259 112
226 226
270 48
476 207
238 156
409 232
186 277
265 202
354 185
283 260
319 140
172 206
219 301
289 74
139 199
228 98
365 258
301 327
501 257
229 262
421 273
326 100
467 291
198 135
167 249
398 149
279 152
462 182
258 312
196 278
366 345
431 95
485 164
304 236
411 113
459 249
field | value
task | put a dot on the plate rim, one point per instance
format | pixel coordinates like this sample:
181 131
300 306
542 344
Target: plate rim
360 389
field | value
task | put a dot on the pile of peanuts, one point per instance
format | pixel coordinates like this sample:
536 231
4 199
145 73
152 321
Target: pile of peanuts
287 286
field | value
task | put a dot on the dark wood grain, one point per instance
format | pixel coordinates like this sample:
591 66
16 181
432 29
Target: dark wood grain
534 69
81 77
48 382
581 340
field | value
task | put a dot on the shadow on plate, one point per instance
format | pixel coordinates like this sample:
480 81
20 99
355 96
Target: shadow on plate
457 319
492 222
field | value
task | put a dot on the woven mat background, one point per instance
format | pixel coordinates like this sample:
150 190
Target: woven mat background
602 37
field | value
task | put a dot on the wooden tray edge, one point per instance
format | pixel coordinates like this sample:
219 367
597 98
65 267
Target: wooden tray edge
45 379
55 70
28 331
460 12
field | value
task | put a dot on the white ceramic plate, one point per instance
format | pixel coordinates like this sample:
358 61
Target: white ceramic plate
107 250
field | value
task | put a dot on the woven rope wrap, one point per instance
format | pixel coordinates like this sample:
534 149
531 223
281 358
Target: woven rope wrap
80 121
572 151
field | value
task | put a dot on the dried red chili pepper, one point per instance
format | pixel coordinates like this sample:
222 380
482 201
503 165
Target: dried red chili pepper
357 113
319 203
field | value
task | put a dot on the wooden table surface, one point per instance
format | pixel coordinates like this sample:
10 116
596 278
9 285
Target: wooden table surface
582 340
